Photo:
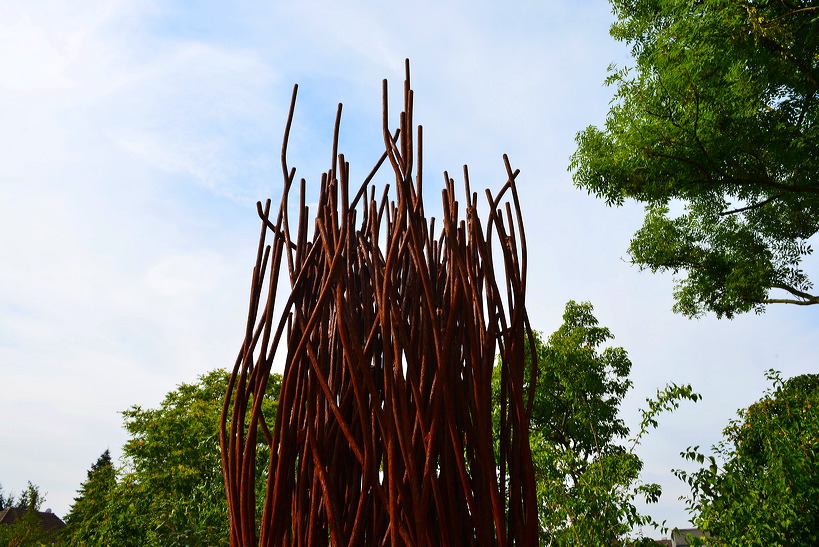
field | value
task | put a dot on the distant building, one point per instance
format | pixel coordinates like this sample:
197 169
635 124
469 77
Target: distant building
49 522
679 537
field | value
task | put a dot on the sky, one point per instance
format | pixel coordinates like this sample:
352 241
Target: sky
137 136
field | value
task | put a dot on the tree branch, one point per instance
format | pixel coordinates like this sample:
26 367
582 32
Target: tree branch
785 52
795 188
808 99
808 298
754 206
787 301
775 19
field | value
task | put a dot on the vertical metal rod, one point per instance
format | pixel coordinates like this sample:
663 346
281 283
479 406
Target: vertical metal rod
390 334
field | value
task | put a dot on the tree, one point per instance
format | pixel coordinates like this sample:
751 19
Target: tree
170 490
30 498
174 464
27 530
587 480
762 487
84 520
6 500
718 118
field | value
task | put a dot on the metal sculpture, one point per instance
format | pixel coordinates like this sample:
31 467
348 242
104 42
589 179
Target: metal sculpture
390 332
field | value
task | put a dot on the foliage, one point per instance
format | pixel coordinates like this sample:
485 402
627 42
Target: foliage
6 500
719 117
85 520
173 457
31 498
587 481
170 491
26 531
762 487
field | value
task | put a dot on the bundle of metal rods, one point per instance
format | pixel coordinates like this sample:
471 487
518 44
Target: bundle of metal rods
390 333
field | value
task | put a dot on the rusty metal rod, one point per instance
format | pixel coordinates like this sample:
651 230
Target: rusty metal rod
389 335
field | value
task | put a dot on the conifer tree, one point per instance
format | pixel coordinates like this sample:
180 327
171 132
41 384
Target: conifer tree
83 522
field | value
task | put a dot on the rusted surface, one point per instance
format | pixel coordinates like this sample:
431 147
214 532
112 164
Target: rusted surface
389 334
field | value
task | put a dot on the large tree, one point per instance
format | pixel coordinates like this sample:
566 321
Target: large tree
173 473
587 472
84 522
716 130
762 486
170 490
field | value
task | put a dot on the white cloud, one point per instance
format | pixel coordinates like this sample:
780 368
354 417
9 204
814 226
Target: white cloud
184 274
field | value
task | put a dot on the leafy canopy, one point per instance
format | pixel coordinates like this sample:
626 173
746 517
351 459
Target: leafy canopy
762 487
31 498
587 474
26 530
89 508
170 491
718 118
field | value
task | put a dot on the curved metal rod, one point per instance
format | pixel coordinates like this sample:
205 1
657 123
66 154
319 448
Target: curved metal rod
389 337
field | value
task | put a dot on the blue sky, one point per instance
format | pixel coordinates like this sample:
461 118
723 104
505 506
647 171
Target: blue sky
138 135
